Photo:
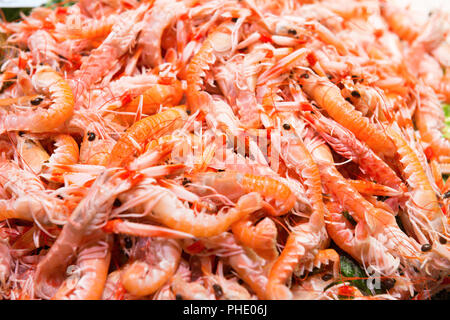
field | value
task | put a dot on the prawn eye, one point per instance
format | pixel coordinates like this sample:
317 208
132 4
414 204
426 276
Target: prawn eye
91 136
327 277
387 284
292 31
356 94
442 240
286 126
305 75
128 242
117 203
426 247
218 291
36 101
234 19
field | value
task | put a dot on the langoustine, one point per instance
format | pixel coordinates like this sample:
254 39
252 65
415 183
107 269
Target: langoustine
223 150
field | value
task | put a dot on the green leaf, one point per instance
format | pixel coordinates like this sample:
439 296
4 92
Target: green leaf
350 269
13 14
446 130
55 3
446 108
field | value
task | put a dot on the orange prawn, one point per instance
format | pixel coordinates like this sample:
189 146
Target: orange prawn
144 130
278 197
329 97
48 81
157 261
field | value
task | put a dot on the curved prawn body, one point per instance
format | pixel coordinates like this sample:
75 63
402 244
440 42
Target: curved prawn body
118 42
66 152
278 196
84 220
47 81
28 201
162 14
248 267
424 212
217 43
32 153
172 213
89 29
302 244
43 48
356 241
400 22
346 144
430 119
305 238
157 261
87 277
262 237
152 99
298 158
184 286
164 206
340 189
114 289
143 131
237 80
329 97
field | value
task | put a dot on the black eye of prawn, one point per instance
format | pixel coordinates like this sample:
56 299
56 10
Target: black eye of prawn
218 291
36 101
91 136
305 75
327 277
128 242
286 126
387 284
356 94
117 203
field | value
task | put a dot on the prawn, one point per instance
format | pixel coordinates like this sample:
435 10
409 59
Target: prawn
142 131
84 220
167 209
66 152
329 97
278 197
87 278
48 81
151 99
156 261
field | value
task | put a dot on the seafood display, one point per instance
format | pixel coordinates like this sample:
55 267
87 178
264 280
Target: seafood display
224 149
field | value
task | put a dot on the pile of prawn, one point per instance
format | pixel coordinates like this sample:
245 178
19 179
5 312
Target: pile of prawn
223 150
